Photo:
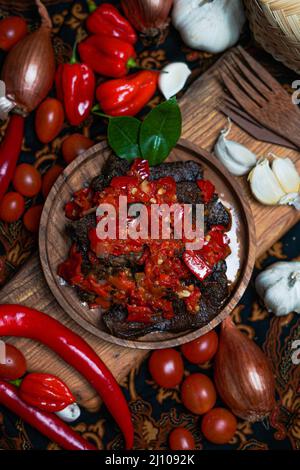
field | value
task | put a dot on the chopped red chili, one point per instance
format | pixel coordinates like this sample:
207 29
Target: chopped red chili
207 190
165 266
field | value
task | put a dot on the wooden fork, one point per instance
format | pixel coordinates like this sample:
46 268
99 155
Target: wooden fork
261 96
231 109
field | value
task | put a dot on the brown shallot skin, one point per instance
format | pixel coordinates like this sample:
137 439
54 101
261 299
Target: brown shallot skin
29 68
150 17
243 376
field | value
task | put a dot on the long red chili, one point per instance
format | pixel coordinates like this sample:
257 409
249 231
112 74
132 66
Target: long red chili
21 321
47 423
10 150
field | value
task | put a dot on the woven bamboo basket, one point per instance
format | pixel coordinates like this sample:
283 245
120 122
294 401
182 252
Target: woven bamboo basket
276 27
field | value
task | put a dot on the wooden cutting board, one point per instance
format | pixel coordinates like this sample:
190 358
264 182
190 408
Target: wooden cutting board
202 123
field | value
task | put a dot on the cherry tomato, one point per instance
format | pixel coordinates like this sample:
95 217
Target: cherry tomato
201 349
32 218
12 207
15 363
49 119
12 30
219 426
181 439
198 393
74 145
27 180
166 367
49 179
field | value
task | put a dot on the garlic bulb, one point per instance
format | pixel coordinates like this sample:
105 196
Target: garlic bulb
279 287
264 184
173 78
209 25
235 157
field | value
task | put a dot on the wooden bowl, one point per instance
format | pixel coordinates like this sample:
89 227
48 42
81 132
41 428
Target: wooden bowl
54 244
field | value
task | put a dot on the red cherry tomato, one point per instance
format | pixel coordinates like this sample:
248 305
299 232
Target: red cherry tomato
201 349
27 180
49 179
198 393
12 30
218 426
11 207
166 367
49 119
15 363
74 145
181 439
32 218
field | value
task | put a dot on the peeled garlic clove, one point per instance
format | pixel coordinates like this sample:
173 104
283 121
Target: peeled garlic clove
291 199
70 413
264 184
287 174
173 78
235 157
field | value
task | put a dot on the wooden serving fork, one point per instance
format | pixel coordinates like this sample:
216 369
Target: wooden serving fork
261 96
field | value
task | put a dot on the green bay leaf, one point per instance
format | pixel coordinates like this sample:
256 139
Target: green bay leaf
123 136
160 132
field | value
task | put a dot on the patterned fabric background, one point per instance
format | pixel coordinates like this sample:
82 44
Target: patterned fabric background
157 411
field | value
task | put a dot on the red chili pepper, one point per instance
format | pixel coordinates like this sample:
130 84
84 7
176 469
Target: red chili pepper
139 314
140 168
107 56
75 86
80 203
123 182
17 320
207 189
70 269
47 423
46 392
196 264
10 150
106 19
127 96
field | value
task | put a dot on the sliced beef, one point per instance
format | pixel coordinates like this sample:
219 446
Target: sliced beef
114 166
217 214
188 193
99 183
115 320
79 229
214 292
180 171
129 260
